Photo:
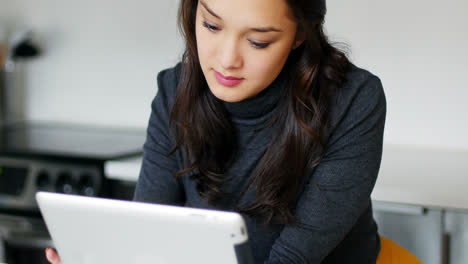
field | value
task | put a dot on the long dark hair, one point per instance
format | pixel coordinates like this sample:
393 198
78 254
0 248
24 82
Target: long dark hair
205 133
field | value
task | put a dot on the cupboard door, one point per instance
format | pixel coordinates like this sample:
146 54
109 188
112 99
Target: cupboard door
417 229
457 228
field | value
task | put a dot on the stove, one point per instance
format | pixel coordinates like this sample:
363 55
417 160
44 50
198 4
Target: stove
56 158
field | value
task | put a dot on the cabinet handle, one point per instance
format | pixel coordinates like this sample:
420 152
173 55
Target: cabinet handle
398 208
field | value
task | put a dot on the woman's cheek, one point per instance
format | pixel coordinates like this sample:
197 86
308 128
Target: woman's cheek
205 48
263 65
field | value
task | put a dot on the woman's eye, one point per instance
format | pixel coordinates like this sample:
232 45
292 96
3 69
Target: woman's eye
210 27
258 45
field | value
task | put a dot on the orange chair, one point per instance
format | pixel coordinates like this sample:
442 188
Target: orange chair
392 253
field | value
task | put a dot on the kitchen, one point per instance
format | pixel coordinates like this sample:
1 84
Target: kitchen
98 63
35 149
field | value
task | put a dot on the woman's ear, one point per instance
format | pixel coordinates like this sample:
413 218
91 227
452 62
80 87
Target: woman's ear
300 37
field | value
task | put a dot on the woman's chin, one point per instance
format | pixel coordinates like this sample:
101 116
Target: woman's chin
228 96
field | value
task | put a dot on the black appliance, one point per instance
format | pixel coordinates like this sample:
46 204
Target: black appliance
57 158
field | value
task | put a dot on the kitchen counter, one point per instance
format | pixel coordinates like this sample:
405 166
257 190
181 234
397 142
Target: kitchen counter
427 177
126 169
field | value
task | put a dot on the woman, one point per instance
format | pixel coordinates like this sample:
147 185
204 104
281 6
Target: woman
263 116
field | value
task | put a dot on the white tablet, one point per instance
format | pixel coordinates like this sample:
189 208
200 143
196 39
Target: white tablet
89 230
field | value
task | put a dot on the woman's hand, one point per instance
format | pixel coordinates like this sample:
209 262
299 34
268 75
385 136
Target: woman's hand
52 256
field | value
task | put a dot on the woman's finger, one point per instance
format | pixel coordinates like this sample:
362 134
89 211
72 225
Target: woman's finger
52 256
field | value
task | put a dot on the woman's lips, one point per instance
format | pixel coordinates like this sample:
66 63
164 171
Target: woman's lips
227 80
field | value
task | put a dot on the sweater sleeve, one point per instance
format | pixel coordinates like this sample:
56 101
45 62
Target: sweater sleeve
338 190
156 182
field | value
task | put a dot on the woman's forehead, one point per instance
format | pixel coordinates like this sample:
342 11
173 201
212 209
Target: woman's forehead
259 13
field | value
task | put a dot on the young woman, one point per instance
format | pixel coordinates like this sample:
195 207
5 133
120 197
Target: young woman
265 117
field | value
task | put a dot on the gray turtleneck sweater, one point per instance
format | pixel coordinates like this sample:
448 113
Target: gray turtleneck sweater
334 212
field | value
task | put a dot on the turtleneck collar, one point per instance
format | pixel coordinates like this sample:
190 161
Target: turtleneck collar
261 106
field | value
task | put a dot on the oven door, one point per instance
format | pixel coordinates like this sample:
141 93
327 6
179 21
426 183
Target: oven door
23 240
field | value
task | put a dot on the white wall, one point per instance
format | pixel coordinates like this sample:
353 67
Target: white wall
419 50
101 60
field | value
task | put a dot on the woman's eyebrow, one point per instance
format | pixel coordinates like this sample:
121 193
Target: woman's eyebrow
258 29
209 10
266 29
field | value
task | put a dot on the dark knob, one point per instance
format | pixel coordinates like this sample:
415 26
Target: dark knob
86 185
64 183
42 180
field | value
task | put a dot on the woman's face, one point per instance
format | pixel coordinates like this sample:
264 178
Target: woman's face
243 44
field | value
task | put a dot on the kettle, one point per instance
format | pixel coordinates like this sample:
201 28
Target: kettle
20 47
2 71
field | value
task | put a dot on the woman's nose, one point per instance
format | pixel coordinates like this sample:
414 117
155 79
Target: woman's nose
230 55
